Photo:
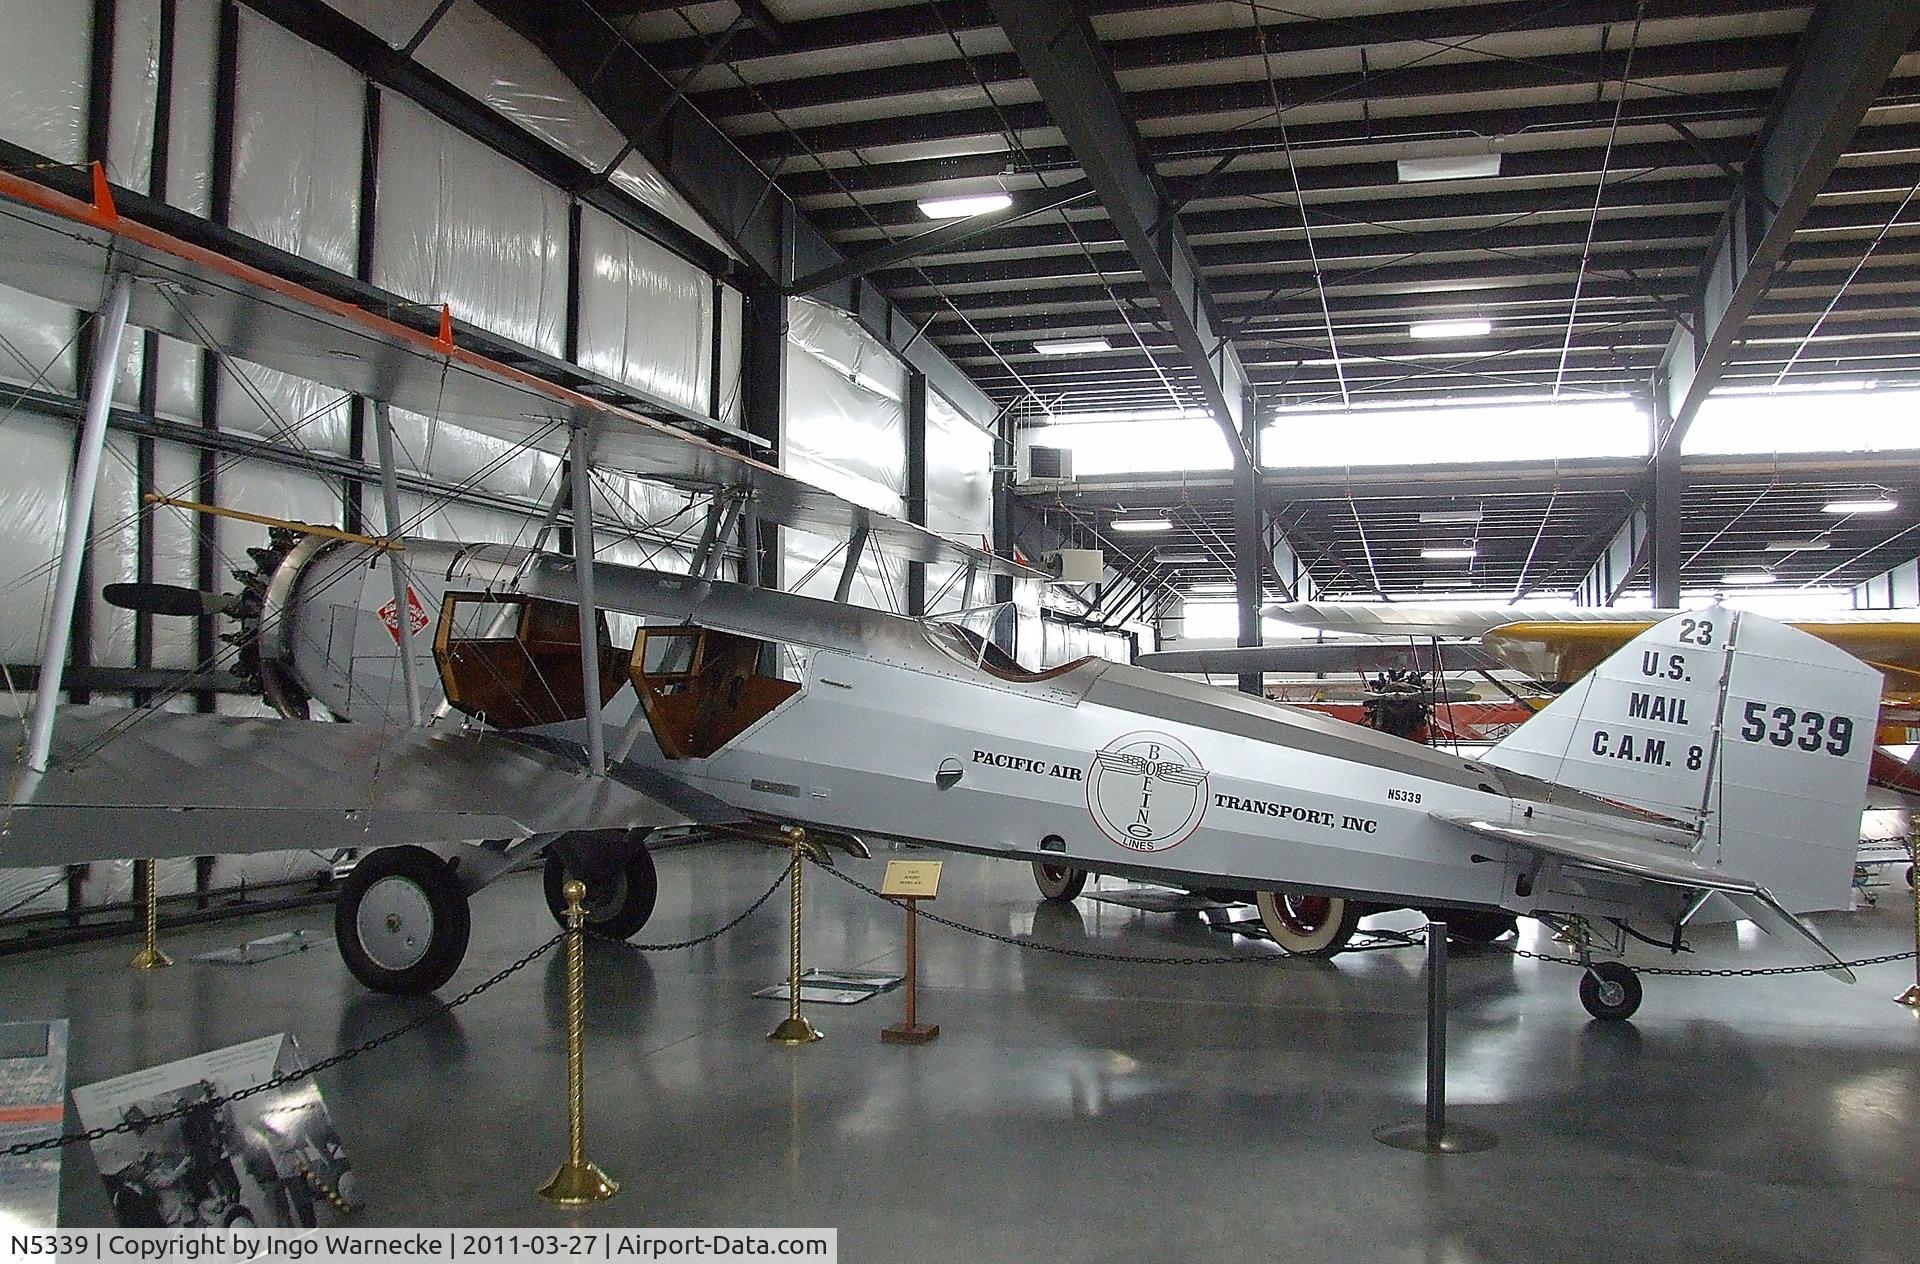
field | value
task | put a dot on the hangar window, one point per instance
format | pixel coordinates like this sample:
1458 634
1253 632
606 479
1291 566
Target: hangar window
701 688
515 661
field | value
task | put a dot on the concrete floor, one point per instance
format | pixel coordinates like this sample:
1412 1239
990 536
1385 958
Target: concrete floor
1076 1110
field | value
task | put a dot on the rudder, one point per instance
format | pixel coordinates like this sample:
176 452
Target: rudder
1755 733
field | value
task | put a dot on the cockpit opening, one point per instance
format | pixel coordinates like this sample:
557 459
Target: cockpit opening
515 661
701 688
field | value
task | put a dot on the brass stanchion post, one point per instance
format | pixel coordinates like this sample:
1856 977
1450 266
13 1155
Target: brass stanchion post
794 1029
579 1180
1912 995
150 957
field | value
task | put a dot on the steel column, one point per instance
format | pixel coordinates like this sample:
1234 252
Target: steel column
916 484
1249 542
73 542
1665 490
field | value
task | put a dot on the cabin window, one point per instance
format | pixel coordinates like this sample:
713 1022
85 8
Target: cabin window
701 688
515 661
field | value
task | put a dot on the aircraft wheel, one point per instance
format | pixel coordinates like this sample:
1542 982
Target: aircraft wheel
1308 925
402 921
1610 990
1479 927
1059 882
617 907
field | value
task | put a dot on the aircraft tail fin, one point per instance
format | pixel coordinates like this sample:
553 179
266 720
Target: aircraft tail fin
1754 733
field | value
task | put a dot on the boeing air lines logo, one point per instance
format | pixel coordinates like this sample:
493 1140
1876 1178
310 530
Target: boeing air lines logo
1147 791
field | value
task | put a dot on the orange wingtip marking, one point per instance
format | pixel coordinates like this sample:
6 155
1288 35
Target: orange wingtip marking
31 1114
103 193
446 326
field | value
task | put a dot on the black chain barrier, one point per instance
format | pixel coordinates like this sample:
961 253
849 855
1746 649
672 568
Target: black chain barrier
440 1010
1060 950
291 1077
1413 940
712 935
1723 972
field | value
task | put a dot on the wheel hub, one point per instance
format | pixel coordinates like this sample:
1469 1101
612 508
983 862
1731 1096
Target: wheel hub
606 898
1611 993
1305 913
394 923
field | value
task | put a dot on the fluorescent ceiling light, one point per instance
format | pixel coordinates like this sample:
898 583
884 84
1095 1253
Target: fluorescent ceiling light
1455 516
1799 546
1142 524
962 207
1459 167
1214 590
1166 558
1750 578
1445 553
1451 328
1860 506
1072 346
1446 583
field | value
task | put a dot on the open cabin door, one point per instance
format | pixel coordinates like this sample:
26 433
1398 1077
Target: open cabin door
514 661
701 688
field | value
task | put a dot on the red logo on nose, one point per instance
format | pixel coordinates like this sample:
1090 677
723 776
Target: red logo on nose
416 616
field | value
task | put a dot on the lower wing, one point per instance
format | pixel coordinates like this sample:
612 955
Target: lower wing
150 783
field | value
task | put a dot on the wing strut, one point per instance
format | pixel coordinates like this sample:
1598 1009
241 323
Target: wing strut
856 547
402 611
73 543
580 459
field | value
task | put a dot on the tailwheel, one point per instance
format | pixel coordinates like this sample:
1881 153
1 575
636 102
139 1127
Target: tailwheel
1308 925
1610 990
401 921
618 905
1059 882
1476 926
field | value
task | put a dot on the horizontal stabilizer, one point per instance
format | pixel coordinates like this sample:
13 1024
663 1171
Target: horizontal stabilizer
153 783
1649 860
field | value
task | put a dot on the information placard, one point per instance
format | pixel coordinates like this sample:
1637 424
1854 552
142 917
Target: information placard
911 879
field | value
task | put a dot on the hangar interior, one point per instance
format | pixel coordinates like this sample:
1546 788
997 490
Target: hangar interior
1561 306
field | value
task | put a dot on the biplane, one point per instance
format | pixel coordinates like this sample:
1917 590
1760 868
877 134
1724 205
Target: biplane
1709 769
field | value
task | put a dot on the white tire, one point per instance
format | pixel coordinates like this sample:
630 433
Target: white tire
1058 882
1308 925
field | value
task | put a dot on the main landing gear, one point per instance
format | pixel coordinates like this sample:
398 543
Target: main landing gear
618 904
1059 883
402 921
1308 925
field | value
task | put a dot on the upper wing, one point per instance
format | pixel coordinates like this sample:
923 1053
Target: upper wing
1307 656
60 247
151 783
1622 854
1427 618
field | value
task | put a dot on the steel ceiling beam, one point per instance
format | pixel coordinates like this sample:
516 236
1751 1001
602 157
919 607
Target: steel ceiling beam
946 71
1198 150
1056 44
1412 84
1337 253
1842 64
